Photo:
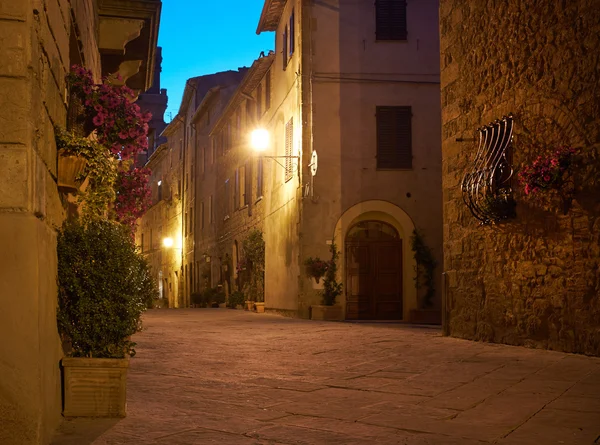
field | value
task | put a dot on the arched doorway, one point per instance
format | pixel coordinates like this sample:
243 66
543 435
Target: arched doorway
373 272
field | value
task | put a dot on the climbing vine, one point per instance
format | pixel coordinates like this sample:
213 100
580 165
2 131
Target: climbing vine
331 288
426 264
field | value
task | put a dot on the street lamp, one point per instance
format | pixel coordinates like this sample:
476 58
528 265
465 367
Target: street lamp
259 141
168 242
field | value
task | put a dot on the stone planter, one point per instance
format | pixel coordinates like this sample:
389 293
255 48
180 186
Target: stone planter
94 387
260 307
222 305
327 313
70 168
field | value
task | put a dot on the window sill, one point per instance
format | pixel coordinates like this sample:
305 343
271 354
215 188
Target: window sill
394 169
226 218
258 199
244 207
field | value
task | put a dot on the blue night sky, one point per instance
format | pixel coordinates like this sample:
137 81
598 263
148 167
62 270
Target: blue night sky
203 37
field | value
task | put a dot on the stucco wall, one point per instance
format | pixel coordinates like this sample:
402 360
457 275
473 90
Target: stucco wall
352 74
283 198
34 49
534 280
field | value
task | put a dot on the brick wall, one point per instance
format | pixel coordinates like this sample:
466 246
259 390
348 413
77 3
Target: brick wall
533 280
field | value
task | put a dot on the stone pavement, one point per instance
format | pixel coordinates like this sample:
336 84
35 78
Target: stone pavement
221 376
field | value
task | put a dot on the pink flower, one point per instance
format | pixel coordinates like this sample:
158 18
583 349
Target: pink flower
98 120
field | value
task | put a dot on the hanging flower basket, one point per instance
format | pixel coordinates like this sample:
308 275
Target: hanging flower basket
71 169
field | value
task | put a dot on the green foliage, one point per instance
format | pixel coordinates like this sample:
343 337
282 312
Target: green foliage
236 298
101 169
197 298
104 287
254 254
331 288
426 264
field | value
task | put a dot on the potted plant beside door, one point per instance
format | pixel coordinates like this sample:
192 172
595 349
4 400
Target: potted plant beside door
331 290
104 287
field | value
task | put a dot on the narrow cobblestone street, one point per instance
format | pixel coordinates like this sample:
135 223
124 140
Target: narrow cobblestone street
231 377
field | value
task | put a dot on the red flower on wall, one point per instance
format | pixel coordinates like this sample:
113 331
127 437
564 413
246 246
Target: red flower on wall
547 172
119 123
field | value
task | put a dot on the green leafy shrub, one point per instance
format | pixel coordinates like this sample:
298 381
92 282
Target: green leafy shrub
254 252
426 264
218 296
236 298
104 287
331 288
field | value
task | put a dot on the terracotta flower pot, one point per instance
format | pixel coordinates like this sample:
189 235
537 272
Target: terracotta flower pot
70 168
260 307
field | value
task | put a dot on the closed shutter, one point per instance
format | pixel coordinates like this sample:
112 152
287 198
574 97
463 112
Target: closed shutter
390 19
394 138
289 148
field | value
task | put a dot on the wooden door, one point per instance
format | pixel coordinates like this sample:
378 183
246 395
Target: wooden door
373 272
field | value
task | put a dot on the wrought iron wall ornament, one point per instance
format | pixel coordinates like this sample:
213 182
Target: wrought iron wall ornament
486 186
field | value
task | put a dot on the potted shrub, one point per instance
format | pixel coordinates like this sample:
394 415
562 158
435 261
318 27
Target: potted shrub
104 287
254 259
315 269
236 300
331 290
218 297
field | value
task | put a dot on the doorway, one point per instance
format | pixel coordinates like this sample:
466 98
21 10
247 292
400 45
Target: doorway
373 272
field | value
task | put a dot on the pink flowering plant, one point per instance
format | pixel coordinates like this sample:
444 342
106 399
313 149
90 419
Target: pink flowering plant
547 172
133 195
119 123
316 268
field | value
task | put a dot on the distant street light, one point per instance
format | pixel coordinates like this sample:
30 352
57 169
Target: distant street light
168 242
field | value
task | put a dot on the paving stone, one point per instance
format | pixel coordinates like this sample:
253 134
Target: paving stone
231 377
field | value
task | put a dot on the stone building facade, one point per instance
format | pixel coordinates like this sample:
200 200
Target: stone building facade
39 41
169 233
533 279
357 83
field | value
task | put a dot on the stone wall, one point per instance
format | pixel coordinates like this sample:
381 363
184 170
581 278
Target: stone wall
533 280
35 54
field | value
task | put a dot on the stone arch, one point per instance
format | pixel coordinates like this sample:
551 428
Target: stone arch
392 214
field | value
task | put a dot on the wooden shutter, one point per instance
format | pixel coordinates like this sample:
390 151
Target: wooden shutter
285 47
248 184
268 90
390 19
236 190
289 148
394 138
259 177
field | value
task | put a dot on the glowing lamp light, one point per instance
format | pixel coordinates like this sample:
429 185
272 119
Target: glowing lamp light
159 183
259 139
168 242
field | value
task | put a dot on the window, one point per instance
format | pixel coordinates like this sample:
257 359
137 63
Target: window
292 44
236 189
186 226
226 200
202 160
187 180
180 148
268 90
284 55
159 190
394 139
289 149
179 188
242 186
202 215
142 242
259 101
247 180
259 177
211 216
214 150
249 114
390 19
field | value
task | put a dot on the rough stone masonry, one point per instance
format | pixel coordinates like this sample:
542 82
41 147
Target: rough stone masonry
533 280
